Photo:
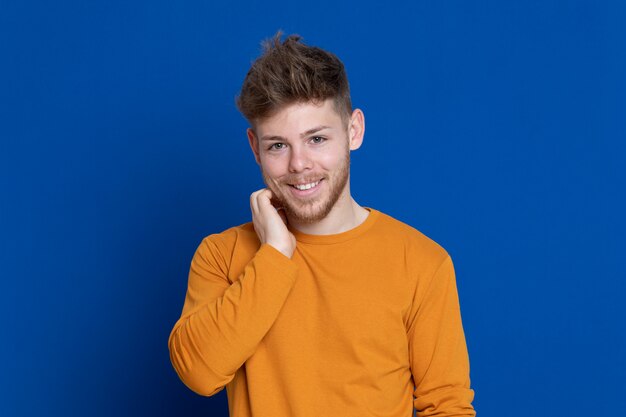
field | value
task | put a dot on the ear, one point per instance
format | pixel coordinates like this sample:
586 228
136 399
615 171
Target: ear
356 130
254 144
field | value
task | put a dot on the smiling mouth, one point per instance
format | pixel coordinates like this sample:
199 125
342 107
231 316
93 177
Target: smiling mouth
306 186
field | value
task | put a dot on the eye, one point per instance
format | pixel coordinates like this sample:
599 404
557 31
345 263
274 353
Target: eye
318 139
276 146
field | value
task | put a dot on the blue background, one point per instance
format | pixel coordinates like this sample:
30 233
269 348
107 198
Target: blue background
497 128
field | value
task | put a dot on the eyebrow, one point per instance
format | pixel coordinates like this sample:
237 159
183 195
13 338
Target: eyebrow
302 135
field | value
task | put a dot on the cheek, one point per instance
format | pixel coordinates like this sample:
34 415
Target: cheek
273 167
330 162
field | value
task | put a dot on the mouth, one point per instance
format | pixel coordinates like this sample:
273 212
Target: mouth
306 186
306 189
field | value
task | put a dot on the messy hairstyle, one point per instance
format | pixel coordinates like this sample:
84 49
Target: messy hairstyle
291 72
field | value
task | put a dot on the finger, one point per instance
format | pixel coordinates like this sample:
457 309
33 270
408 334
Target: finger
254 203
264 200
276 202
283 215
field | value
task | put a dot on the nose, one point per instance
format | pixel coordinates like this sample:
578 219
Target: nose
299 160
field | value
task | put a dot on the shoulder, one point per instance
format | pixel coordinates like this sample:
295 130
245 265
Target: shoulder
225 243
409 240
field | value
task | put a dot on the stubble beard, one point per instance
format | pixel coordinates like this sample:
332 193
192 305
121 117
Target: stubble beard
311 211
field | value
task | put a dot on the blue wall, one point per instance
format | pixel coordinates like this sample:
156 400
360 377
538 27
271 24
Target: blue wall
496 128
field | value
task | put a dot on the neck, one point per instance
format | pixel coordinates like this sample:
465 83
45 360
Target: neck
346 214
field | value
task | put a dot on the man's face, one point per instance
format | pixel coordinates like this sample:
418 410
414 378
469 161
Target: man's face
304 154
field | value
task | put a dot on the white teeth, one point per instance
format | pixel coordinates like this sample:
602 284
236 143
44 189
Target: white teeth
306 186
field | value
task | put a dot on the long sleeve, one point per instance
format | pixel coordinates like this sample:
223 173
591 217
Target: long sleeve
437 349
222 323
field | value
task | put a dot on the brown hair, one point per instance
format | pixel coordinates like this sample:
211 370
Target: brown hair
291 72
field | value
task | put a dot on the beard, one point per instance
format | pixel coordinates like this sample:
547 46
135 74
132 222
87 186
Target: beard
317 208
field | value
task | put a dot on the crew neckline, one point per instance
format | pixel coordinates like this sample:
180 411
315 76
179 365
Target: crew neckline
338 237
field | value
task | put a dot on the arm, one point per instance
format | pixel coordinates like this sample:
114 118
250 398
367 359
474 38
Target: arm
222 324
437 349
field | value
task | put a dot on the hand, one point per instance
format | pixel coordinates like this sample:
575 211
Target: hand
270 224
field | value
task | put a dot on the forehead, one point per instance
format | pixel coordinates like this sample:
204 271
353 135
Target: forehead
296 118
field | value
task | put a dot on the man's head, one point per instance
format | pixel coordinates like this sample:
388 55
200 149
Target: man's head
297 100
291 72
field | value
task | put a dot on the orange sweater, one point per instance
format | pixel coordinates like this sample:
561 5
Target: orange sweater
360 323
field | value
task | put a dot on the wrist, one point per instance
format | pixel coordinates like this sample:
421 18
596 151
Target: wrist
285 250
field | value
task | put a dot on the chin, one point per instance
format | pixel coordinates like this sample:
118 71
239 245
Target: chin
310 213
307 218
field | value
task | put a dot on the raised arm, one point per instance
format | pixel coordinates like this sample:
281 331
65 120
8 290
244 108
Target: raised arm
437 349
222 323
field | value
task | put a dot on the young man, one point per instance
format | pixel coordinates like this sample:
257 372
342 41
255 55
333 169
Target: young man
319 307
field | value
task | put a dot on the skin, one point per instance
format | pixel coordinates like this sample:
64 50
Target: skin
303 143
